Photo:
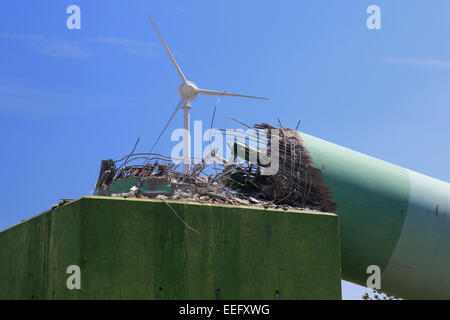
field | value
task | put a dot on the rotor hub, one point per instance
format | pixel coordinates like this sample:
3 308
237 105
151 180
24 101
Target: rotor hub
188 91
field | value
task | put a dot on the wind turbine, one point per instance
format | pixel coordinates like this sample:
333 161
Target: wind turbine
188 91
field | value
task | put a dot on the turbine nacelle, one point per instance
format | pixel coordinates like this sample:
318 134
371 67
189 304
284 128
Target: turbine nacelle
188 91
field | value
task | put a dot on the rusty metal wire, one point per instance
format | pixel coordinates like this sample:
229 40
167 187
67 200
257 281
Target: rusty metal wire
297 183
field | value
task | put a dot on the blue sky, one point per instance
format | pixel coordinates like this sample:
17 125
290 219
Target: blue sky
70 98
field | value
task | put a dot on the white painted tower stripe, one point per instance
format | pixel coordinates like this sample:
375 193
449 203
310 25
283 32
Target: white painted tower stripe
419 267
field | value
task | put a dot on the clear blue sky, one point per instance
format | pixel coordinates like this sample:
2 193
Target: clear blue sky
70 98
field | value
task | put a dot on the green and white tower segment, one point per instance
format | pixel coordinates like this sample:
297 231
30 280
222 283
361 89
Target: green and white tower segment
391 217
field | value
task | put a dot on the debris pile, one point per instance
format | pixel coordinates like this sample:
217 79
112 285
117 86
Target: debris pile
296 184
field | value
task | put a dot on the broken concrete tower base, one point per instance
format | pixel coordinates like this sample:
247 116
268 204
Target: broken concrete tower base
114 248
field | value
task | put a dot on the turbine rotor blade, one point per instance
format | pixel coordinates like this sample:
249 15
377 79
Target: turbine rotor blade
169 53
218 93
168 122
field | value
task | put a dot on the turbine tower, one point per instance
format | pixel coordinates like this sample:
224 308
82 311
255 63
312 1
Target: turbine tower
188 91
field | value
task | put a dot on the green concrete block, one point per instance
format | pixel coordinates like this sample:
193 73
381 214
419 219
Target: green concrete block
139 249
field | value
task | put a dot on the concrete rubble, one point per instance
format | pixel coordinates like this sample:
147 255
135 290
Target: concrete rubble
296 185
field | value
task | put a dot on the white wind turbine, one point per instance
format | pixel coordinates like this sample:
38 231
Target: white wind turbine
188 91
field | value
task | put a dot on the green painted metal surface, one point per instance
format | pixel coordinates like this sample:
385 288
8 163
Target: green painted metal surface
420 264
391 217
139 249
372 197
124 186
